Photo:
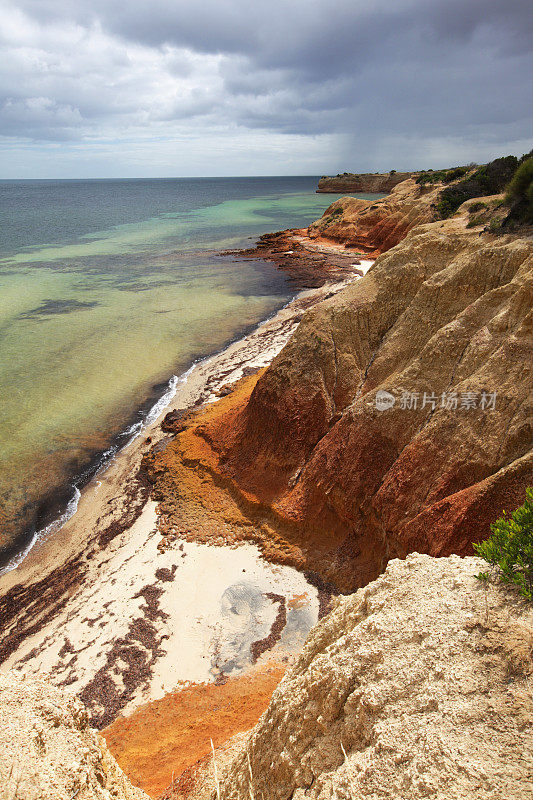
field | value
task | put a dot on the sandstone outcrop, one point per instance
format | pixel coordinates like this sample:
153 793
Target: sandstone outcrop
303 460
373 227
48 750
416 686
363 182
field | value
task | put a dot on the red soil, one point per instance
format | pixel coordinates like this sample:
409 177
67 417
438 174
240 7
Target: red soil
164 738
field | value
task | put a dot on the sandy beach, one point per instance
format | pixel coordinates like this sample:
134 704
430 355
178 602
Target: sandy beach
102 609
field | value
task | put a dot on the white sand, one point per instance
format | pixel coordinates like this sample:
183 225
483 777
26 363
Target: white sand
214 607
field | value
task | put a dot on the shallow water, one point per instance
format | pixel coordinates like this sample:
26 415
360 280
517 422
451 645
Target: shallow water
107 289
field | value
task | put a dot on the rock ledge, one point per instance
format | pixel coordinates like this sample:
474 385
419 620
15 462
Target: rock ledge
47 749
418 685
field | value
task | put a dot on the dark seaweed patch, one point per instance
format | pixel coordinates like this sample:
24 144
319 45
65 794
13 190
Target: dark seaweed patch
52 307
141 286
263 645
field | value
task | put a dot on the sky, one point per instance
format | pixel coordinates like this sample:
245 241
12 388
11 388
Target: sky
170 88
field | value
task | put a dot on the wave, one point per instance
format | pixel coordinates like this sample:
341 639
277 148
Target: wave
133 432
43 533
130 434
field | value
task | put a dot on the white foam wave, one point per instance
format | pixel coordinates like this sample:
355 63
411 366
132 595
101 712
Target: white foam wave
158 407
44 533
163 401
131 434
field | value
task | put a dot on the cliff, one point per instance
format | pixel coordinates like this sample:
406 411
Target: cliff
364 182
48 750
416 686
373 227
307 461
398 418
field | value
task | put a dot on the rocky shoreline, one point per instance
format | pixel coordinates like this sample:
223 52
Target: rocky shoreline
294 467
307 263
113 540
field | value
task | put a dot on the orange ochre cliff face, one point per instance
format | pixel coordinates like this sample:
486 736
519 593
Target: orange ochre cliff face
375 226
168 736
304 459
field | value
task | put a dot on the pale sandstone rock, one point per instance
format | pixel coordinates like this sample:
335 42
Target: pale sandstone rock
308 465
48 751
418 685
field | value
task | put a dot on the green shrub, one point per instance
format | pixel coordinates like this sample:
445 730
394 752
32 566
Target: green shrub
509 548
429 176
454 174
441 175
476 207
489 179
475 221
520 191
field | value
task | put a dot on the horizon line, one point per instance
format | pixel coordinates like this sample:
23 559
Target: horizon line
174 177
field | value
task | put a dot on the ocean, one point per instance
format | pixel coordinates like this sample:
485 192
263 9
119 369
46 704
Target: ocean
108 289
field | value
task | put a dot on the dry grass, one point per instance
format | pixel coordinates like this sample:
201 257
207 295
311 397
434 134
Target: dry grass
215 771
251 777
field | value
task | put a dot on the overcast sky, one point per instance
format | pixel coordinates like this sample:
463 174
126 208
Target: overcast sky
105 88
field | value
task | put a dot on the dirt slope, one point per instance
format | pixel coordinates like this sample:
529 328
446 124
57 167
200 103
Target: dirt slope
305 460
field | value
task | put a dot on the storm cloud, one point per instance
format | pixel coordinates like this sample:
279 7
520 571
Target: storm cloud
175 87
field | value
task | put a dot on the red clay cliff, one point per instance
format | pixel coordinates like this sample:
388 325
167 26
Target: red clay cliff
303 456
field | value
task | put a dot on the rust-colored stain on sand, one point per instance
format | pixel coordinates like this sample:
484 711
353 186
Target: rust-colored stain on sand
163 738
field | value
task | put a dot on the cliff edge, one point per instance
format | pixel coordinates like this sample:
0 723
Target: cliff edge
362 182
48 750
374 226
416 686
397 418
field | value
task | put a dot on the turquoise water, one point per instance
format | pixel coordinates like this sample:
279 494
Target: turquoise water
108 288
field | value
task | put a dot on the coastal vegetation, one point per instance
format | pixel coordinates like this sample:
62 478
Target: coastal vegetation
478 206
507 174
509 548
520 192
489 179
442 175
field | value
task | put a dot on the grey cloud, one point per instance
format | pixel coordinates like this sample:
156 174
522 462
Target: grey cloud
40 117
413 71
299 33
